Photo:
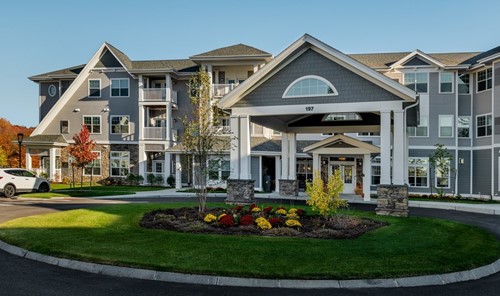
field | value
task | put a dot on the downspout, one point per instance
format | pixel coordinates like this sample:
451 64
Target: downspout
407 140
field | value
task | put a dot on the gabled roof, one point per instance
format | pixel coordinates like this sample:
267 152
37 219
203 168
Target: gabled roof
417 53
484 56
70 72
233 51
120 56
342 139
45 140
182 65
307 40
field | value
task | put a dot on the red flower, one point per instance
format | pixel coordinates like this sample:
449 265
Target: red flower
226 221
246 220
252 206
276 221
238 208
268 210
300 212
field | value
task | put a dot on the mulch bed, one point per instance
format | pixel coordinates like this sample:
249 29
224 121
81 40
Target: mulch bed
189 220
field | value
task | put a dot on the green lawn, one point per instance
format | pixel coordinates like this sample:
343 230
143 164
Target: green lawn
64 190
407 247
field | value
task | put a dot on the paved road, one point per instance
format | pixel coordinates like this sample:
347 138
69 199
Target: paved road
20 276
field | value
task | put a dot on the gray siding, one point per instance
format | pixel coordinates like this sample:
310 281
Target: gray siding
350 86
481 170
108 60
496 75
496 176
426 153
256 171
184 103
482 105
463 172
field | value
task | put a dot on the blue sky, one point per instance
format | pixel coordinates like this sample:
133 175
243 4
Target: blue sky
42 36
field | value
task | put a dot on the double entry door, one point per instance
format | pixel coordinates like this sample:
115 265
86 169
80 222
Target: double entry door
347 172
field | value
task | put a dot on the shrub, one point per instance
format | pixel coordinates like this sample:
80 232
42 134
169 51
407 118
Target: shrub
151 179
325 199
281 211
268 210
209 218
171 181
238 208
275 221
301 212
263 224
226 221
293 223
246 220
255 210
158 180
250 207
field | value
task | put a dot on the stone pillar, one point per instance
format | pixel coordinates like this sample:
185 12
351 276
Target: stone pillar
178 172
398 146
385 147
289 187
367 179
240 192
392 200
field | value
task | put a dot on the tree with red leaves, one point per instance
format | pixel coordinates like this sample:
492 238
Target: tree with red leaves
81 151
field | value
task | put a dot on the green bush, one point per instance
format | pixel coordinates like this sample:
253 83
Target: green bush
171 181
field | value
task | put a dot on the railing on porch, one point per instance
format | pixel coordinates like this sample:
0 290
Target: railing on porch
220 90
154 133
158 95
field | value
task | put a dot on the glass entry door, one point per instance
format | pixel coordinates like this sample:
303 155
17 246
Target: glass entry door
348 174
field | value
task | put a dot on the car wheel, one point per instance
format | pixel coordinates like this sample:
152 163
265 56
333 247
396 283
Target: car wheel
44 187
9 190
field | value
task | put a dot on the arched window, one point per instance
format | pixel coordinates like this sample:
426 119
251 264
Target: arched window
310 86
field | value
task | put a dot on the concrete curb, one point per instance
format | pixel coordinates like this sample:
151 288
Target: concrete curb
174 277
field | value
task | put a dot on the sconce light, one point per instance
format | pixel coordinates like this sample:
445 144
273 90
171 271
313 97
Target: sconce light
175 120
76 110
461 161
106 109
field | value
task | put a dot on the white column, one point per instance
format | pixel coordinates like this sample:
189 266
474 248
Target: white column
178 172
255 68
284 156
28 159
398 146
234 154
367 179
142 123
245 159
142 161
168 122
385 147
52 169
141 88
166 169
277 173
292 158
316 164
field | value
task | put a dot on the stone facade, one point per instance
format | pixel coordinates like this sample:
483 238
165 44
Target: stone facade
240 191
392 200
289 187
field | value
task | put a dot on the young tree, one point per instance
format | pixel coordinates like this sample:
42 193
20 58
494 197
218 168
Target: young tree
440 163
201 133
325 199
81 151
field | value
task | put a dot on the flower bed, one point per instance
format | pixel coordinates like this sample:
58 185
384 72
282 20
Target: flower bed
254 220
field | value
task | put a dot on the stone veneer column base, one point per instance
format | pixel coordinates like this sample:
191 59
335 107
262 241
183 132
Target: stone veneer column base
289 187
392 200
240 191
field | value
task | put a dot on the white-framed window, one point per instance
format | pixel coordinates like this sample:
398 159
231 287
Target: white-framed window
52 90
375 134
94 168
418 172
483 125
276 133
310 86
484 80
64 126
158 166
445 82
375 166
342 116
446 126
417 81
442 178
120 87
463 126
463 81
94 88
93 123
120 124
120 163
218 169
422 130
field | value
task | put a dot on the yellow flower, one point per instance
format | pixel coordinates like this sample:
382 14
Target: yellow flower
292 216
209 218
255 210
220 216
292 211
293 223
262 223
281 212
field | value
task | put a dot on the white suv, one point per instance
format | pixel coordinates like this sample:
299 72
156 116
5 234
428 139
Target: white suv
13 181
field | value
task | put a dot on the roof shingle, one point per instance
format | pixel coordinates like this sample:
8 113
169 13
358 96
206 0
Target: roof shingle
233 50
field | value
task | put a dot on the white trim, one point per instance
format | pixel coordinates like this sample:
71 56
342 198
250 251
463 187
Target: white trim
452 82
452 125
119 158
477 126
421 165
60 130
416 52
415 81
469 127
111 124
100 164
486 80
88 88
328 83
449 178
468 84
111 88
54 87
100 123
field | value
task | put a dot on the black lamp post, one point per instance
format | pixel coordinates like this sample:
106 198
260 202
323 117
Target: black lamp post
20 138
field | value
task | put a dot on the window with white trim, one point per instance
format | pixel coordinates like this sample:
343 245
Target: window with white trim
422 130
94 168
375 170
483 125
120 124
120 163
463 126
93 124
463 81
445 82
418 172
310 86
484 80
94 88
119 87
446 126
417 81
218 169
442 177
64 126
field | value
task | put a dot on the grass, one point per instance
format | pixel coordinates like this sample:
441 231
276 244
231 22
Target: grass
407 247
64 190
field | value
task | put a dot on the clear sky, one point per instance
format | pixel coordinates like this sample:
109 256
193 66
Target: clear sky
41 36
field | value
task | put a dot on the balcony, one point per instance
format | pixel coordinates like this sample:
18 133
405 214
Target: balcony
159 95
154 133
220 90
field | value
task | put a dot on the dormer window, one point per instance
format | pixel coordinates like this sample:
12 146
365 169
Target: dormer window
345 116
310 86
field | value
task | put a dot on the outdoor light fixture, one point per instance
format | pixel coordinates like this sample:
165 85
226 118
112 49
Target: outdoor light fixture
20 137
106 109
76 110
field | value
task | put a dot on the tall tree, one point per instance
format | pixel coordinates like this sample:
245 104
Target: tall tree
200 139
3 158
440 162
81 151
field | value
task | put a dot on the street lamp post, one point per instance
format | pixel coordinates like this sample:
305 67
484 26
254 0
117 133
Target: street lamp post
20 138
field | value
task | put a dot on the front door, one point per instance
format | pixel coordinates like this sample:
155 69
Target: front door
347 173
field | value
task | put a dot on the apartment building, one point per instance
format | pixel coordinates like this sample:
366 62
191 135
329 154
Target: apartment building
375 117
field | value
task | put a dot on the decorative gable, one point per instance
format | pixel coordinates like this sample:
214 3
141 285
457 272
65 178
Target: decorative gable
108 60
416 61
